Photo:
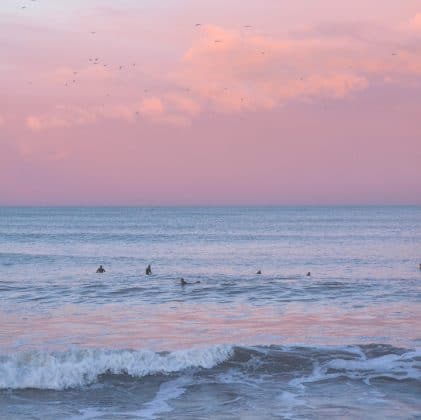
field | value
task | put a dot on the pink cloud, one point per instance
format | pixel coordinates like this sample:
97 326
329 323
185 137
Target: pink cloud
171 109
67 116
278 113
152 107
238 72
34 123
92 73
183 103
415 23
228 70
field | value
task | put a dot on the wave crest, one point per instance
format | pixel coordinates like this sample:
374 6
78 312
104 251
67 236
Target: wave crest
75 368
297 365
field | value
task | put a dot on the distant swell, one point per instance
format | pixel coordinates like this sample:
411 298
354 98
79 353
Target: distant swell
74 368
297 365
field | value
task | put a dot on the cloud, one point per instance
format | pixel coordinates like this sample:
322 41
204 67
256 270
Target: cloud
171 108
34 123
62 116
232 70
151 109
182 103
248 72
415 23
92 73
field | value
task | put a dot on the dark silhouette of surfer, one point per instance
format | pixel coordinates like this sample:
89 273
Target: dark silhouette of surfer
100 269
185 283
259 272
148 270
308 274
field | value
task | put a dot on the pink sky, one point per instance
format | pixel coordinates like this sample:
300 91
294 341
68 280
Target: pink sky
274 102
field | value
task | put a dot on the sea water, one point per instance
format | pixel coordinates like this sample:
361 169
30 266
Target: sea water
343 342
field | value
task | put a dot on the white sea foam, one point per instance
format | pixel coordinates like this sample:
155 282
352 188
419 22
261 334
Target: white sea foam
392 366
168 391
405 366
74 368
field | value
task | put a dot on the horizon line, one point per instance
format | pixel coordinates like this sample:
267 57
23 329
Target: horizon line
208 205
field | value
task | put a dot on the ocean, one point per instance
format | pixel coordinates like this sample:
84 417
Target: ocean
343 342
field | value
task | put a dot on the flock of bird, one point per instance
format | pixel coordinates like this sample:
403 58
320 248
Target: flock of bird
124 68
97 61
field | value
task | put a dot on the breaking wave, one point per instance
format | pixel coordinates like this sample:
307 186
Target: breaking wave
295 365
75 368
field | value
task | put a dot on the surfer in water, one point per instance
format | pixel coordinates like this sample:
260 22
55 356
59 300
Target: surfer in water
308 274
185 283
259 272
148 270
100 269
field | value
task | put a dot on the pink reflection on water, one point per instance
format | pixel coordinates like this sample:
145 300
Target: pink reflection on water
180 325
